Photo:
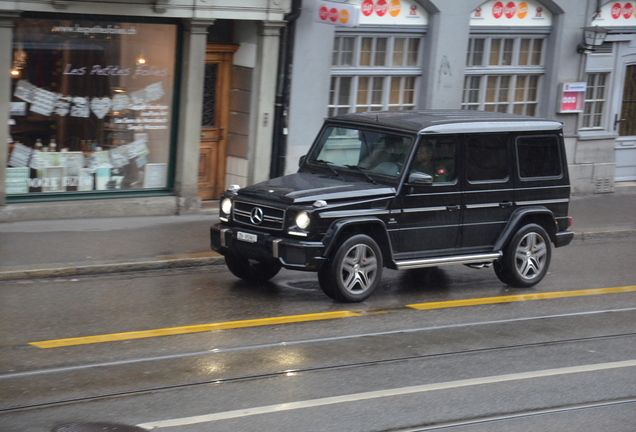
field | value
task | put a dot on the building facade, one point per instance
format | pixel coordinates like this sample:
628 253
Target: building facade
522 57
142 107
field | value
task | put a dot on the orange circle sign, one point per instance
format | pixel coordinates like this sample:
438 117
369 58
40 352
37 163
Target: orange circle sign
522 10
344 16
394 8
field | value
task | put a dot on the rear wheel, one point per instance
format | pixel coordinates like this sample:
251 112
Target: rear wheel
251 270
354 271
526 259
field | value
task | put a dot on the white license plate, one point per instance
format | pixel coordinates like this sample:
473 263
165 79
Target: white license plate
250 238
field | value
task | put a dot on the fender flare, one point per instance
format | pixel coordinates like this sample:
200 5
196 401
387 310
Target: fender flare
516 217
335 229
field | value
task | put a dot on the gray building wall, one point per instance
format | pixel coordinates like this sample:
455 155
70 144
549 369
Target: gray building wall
591 158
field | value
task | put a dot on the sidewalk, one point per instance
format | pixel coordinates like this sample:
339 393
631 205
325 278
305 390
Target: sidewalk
66 248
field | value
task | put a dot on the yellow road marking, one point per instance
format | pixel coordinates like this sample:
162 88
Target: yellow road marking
192 329
319 316
520 297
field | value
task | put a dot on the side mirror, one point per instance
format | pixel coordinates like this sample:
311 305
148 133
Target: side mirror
420 178
301 160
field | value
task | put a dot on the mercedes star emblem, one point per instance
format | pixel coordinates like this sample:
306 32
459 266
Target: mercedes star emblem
256 216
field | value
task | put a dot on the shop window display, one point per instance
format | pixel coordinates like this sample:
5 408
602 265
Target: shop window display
91 106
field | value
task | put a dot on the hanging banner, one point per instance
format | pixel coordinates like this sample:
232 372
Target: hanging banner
616 14
338 14
371 12
495 13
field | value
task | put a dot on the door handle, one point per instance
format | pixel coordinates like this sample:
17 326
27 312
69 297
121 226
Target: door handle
505 204
617 120
453 207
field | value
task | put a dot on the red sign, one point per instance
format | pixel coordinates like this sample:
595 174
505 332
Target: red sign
367 7
497 9
324 12
628 9
570 101
510 10
381 7
617 9
333 14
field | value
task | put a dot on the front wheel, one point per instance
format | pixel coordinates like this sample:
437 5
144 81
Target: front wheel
251 270
526 259
354 271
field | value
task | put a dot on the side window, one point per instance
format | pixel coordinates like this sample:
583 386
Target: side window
436 157
487 158
538 156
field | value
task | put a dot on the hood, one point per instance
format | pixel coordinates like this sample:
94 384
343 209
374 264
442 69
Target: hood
306 187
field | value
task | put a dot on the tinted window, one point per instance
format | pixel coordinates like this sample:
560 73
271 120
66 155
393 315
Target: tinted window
486 158
539 156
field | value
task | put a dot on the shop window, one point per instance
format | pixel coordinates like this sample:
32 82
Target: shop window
503 74
538 157
373 73
595 101
91 106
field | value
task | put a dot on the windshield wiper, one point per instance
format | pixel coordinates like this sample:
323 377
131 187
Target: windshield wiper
327 164
363 171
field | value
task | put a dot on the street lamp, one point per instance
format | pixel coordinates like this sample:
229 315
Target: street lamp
593 37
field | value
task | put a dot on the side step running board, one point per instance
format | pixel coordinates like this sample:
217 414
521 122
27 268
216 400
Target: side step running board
435 262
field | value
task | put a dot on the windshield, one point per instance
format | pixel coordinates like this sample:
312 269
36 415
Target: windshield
369 151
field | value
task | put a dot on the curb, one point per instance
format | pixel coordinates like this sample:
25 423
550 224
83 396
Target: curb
87 270
108 268
604 235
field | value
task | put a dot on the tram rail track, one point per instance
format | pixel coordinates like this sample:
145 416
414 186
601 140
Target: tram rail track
279 373
517 415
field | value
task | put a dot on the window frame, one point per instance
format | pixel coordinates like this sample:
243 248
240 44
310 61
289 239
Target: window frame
359 100
594 101
478 75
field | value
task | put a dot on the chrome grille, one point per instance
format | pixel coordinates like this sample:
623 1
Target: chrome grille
271 218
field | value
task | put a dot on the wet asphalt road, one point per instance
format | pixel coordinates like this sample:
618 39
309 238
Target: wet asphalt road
393 367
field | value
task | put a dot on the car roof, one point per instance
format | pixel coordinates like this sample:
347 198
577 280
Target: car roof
450 121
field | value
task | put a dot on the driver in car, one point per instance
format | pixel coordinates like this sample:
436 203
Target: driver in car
393 152
424 163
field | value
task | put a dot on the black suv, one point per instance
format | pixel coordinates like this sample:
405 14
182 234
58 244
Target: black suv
404 190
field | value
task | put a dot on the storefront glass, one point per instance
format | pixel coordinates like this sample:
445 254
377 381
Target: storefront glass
91 106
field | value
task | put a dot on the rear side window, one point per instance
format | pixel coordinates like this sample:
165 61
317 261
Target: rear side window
539 156
487 158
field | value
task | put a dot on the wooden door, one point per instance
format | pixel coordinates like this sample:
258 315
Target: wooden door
216 102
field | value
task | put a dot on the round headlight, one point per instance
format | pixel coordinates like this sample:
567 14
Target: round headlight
226 206
302 220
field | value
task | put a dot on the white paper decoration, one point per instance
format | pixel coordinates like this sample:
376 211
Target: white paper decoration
62 105
120 102
24 90
154 92
100 106
43 102
80 107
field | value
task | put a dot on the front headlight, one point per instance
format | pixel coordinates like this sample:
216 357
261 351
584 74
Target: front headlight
302 220
226 206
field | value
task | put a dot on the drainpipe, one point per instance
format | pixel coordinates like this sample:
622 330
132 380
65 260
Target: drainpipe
281 110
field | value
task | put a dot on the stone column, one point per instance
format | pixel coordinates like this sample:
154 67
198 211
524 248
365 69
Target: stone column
263 100
6 63
190 114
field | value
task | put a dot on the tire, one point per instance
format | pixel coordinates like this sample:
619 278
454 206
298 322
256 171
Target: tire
354 271
526 259
251 270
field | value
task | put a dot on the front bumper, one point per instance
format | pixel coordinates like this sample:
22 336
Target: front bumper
292 254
